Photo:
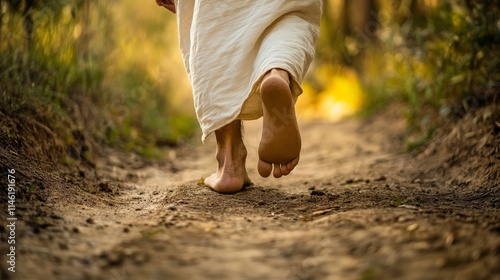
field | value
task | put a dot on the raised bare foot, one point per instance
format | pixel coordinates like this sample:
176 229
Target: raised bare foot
231 154
280 143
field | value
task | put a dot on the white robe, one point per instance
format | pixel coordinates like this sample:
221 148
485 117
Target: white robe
228 46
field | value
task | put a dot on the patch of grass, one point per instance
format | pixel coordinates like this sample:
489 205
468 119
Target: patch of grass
151 233
75 74
43 76
398 202
436 64
412 144
146 87
368 273
439 59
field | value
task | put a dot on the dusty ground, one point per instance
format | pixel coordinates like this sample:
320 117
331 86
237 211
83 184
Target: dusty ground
357 207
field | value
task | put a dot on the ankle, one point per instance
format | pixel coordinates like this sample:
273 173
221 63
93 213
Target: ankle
229 151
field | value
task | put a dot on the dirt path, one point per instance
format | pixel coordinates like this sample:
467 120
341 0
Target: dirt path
356 208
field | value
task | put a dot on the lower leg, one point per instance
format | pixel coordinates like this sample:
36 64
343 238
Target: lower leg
231 154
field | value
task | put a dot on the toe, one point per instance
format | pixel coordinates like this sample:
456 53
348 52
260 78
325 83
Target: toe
284 170
264 168
291 165
277 171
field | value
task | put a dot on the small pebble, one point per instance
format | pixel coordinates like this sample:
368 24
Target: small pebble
381 178
104 187
90 221
412 227
411 207
171 207
75 230
63 246
476 255
402 219
140 258
131 175
449 239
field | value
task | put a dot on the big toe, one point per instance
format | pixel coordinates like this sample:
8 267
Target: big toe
264 168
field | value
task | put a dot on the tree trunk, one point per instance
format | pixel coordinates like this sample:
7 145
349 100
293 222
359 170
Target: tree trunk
1 17
84 40
28 21
361 19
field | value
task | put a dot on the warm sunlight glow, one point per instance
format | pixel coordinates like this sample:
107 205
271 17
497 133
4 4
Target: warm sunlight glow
148 54
340 96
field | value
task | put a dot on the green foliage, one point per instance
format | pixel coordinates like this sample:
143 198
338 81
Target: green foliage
440 58
368 273
38 71
398 202
145 120
416 142
446 56
63 61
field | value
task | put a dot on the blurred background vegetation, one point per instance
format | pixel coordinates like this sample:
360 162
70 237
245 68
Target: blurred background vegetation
439 59
113 70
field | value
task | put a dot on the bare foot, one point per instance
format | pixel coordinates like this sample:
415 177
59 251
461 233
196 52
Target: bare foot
280 143
231 154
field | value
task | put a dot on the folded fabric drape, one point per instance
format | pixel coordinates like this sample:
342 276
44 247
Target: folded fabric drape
228 46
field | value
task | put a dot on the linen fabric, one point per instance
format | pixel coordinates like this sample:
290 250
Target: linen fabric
228 47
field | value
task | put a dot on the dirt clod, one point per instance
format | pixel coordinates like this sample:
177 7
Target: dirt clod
317 192
380 178
171 207
63 246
